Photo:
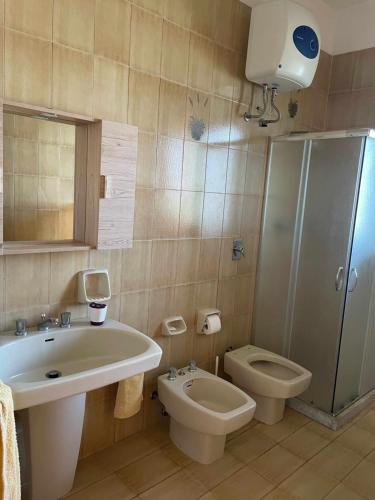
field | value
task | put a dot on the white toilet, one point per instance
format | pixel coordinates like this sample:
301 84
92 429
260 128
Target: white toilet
203 410
268 378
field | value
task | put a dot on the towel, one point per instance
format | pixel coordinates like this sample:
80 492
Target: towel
10 480
129 396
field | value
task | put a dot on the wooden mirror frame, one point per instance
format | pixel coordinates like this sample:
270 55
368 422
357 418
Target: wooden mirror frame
104 183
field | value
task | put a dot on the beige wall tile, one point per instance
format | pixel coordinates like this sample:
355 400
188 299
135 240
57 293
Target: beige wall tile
156 6
201 58
188 252
239 131
146 161
174 62
213 208
323 73
216 171
30 16
224 72
194 167
191 214
110 90
134 309
63 275
143 214
219 127
146 40
184 305
169 163
236 173
136 266
255 173
172 109
166 213
163 263
112 29
22 274
181 351
203 15
179 11
98 426
143 101
241 27
73 23
28 69
227 296
337 113
242 88
161 307
209 259
342 72
226 11
72 80
228 267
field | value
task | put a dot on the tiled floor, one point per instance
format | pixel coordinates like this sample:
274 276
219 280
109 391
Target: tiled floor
294 459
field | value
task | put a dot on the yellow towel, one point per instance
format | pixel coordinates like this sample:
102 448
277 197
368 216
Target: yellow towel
10 481
129 396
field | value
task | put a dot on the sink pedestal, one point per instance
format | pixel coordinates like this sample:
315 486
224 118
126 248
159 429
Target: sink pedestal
55 431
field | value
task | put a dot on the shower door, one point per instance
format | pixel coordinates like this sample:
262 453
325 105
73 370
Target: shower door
356 368
278 232
308 220
322 266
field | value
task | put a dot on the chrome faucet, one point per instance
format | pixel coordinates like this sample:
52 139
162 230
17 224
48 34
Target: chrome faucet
20 328
47 323
65 319
192 366
172 373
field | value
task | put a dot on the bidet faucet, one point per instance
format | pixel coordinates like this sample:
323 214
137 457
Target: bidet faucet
192 366
172 373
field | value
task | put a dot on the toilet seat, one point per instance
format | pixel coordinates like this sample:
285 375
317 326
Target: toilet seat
263 381
268 378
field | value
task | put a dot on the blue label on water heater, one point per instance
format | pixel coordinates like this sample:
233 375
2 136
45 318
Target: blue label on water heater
306 41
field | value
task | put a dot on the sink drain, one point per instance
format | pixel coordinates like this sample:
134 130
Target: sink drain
53 374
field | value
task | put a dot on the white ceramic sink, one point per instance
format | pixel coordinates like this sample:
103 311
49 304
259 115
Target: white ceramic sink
88 357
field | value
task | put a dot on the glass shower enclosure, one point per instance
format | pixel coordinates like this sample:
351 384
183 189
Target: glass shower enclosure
315 294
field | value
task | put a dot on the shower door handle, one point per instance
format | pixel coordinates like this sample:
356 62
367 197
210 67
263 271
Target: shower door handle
339 281
353 279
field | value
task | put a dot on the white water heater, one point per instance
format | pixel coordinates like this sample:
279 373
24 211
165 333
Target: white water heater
284 45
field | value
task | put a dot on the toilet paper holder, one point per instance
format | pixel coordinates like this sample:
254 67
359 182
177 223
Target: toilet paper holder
202 318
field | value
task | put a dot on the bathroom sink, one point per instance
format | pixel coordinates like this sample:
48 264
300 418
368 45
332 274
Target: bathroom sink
87 357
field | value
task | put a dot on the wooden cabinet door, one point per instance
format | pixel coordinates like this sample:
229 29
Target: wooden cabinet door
117 185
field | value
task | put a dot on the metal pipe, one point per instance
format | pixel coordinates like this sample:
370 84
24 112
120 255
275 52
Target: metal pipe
249 116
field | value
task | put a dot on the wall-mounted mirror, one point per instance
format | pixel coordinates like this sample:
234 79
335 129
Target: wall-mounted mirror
39 158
